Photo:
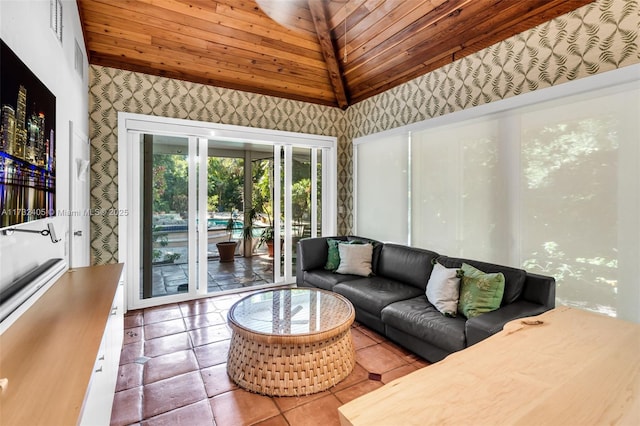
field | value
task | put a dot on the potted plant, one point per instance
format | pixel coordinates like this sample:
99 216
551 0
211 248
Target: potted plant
227 249
161 239
267 236
268 233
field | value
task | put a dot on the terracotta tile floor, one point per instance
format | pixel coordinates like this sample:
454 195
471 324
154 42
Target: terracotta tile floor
173 372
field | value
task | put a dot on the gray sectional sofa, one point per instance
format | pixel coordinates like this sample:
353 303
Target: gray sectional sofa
392 299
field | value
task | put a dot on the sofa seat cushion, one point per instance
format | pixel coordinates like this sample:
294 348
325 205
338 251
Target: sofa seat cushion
374 293
419 318
326 279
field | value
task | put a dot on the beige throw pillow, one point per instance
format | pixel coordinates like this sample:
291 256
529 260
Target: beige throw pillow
355 259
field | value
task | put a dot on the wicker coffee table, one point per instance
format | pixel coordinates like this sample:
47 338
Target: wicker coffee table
290 342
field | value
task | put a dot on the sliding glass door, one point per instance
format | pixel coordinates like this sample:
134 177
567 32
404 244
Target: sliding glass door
297 201
190 196
167 231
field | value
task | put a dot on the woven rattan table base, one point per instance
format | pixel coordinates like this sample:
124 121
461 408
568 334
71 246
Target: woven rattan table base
290 369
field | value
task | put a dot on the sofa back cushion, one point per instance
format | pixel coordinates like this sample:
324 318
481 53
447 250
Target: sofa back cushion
406 264
312 252
514 278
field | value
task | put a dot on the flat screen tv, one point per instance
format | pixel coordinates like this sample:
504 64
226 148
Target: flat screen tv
27 144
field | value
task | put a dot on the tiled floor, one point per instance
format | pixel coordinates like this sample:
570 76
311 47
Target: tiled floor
173 372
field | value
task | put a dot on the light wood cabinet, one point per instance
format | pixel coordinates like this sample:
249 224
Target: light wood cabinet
99 397
51 353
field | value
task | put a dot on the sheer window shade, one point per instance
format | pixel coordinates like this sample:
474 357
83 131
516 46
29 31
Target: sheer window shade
552 187
573 192
458 205
381 189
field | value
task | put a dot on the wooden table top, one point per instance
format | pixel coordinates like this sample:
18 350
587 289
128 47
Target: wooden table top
49 352
575 368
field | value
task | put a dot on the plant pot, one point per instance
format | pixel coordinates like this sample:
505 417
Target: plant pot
270 246
227 250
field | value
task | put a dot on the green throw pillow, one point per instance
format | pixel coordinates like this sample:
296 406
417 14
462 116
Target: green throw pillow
333 255
479 292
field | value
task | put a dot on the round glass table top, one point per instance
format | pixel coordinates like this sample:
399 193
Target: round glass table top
296 311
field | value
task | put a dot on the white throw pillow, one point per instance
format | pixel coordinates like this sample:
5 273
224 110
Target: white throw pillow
355 259
443 289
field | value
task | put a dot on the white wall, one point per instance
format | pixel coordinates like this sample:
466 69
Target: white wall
24 27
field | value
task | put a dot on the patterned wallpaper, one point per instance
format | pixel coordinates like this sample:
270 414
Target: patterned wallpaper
112 90
599 37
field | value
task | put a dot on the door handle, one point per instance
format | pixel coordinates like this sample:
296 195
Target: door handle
78 233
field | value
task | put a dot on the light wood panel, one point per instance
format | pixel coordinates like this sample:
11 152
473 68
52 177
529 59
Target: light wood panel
573 368
48 354
434 37
364 48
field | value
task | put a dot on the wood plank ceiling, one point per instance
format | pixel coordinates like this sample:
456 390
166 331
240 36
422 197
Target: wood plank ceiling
329 52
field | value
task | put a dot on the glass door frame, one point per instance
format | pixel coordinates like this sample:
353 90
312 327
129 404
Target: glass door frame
285 175
130 128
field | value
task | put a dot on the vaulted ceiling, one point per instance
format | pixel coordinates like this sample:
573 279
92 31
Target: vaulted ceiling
330 52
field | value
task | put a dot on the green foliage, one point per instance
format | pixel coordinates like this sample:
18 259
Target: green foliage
231 224
300 198
226 182
250 217
225 189
262 188
212 203
171 257
267 235
170 183
160 239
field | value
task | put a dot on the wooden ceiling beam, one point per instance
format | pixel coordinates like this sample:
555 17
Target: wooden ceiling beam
319 16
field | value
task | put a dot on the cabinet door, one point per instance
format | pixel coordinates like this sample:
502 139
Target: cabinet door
99 398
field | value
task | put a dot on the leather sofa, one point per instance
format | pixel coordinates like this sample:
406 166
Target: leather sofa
392 299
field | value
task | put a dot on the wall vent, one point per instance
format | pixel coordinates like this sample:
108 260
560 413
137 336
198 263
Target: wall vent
79 60
55 18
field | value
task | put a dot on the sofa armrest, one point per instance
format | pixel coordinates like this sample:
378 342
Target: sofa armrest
311 253
540 289
483 326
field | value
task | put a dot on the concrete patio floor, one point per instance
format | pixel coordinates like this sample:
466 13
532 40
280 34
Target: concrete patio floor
243 273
